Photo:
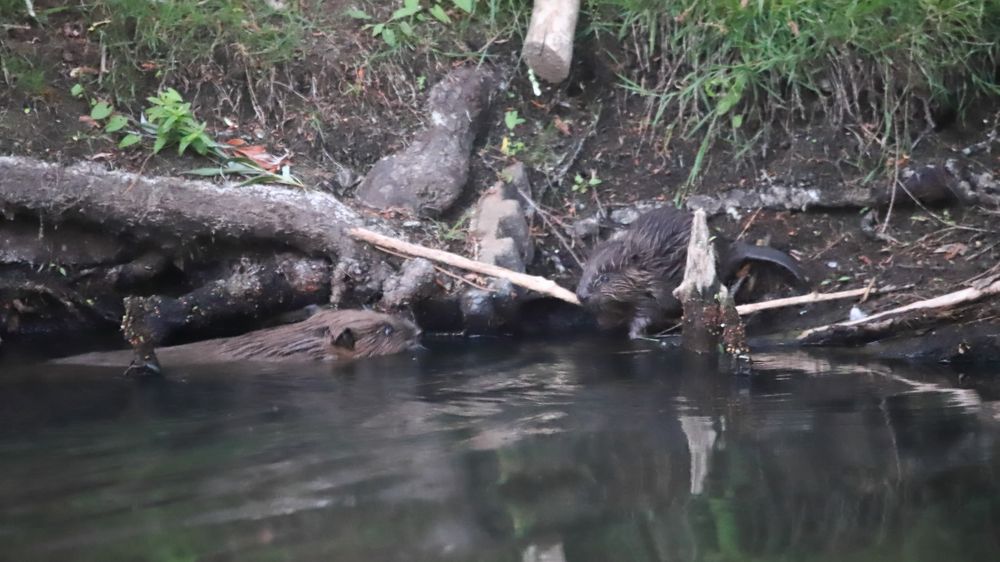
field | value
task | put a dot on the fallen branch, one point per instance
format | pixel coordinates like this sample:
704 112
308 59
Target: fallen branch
532 282
744 309
942 302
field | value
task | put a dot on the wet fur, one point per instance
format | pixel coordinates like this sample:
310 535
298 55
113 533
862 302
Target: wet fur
324 336
629 279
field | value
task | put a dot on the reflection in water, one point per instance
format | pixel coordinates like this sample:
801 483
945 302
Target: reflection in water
499 452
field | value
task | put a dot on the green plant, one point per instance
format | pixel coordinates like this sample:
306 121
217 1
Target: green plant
727 70
512 120
402 21
582 184
172 121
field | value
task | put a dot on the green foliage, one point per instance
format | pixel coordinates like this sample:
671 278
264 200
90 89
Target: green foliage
184 35
723 64
402 24
174 123
512 120
582 184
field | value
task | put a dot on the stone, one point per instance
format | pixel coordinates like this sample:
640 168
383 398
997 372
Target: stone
415 281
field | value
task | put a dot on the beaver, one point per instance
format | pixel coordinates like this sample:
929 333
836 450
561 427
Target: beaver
326 335
629 279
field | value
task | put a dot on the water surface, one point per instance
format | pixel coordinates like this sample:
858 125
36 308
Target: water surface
588 451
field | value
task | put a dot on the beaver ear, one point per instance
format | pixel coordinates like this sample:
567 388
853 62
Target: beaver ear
344 340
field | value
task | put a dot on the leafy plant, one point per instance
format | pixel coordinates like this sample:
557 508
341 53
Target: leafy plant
401 23
169 120
582 184
173 123
512 120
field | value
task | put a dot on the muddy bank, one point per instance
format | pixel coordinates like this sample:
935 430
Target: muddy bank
93 247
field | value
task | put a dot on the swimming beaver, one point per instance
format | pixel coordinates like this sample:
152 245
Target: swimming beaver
326 335
629 279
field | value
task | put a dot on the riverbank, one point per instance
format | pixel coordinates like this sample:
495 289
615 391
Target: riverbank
654 112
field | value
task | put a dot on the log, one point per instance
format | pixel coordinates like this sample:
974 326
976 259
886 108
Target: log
310 221
548 45
532 282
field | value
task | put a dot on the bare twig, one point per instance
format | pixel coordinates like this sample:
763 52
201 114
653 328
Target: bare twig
535 283
744 309
945 301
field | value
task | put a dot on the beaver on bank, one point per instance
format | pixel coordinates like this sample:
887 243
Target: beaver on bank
630 279
326 335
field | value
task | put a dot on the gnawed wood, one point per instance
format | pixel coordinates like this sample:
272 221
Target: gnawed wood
532 282
814 297
548 45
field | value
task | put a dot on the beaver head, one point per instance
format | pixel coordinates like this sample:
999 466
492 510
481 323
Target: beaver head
364 333
615 283
327 334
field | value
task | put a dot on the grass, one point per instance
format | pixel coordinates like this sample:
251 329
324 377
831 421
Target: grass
179 39
728 69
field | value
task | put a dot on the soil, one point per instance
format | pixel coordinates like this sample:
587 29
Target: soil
338 108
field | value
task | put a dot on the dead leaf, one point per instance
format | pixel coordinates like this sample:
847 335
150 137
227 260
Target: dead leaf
744 4
89 121
952 250
261 157
236 142
563 126
148 65
794 27
101 156
80 70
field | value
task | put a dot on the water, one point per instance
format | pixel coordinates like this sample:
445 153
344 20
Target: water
591 451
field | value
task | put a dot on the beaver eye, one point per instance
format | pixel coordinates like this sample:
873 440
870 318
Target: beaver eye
387 330
602 278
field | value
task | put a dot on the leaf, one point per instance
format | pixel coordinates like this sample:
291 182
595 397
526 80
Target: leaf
406 29
116 123
159 144
357 14
405 12
438 12
205 172
129 140
378 29
464 4
411 4
100 111
76 91
512 120
737 121
389 36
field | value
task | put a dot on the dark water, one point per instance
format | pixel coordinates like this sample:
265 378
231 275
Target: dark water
577 452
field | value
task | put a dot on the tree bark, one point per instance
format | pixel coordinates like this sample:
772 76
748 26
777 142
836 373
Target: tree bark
310 221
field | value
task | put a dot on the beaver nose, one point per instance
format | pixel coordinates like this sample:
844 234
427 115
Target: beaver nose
583 296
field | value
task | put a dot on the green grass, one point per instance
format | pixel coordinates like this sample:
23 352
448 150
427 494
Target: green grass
726 69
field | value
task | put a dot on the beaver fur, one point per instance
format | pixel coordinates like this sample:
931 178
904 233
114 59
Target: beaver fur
629 279
324 336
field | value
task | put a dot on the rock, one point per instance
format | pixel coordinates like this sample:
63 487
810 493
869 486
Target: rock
502 231
502 252
479 316
586 228
430 174
415 281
